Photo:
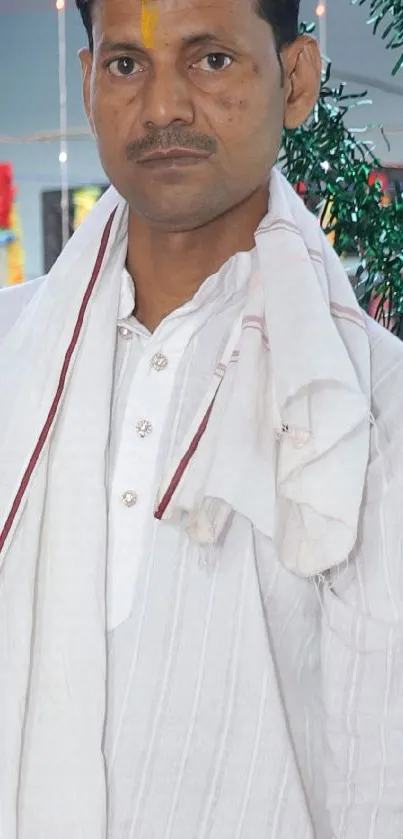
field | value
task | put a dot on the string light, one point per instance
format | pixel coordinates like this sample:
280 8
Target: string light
63 157
321 15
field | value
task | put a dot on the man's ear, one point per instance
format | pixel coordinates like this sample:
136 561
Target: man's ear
302 65
86 61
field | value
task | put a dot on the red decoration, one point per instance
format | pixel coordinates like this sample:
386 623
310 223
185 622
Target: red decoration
7 194
301 188
381 178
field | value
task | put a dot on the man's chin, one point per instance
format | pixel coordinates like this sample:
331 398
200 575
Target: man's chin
175 215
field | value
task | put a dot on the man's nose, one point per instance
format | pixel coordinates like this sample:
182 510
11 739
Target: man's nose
167 99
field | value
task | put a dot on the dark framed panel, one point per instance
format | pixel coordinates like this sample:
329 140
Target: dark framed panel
81 200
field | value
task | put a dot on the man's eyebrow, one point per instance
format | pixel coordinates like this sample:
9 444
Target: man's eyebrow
200 38
107 45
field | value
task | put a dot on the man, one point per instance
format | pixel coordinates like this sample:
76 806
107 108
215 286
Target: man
201 630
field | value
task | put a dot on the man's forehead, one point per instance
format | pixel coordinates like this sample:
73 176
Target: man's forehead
178 20
137 8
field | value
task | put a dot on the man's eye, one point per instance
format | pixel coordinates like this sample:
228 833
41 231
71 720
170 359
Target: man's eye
215 61
122 66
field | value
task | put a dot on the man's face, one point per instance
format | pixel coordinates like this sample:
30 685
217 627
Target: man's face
199 75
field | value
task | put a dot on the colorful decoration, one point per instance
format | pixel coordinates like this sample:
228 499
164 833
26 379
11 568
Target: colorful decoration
15 252
11 250
6 197
347 193
387 13
84 199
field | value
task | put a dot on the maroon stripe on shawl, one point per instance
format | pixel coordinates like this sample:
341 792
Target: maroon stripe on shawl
279 224
354 314
249 322
60 388
184 463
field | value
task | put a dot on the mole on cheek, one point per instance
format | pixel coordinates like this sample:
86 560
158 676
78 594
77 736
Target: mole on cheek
225 101
229 102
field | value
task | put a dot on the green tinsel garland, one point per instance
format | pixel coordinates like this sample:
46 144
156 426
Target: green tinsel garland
389 12
326 156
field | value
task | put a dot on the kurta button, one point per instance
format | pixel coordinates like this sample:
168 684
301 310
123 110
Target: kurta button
159 362
124 332
144 428
129 498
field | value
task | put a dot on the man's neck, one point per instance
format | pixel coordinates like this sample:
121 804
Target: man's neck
168 268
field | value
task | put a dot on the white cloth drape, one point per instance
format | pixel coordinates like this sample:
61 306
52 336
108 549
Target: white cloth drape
310 419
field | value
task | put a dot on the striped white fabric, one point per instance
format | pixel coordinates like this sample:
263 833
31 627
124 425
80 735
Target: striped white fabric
197 737
245 702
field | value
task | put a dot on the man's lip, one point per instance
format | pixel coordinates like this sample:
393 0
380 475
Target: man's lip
173 154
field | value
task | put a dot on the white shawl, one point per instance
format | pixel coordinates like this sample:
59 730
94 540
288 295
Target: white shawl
56 379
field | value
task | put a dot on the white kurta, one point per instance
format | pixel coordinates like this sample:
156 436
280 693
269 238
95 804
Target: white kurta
220 680
197 737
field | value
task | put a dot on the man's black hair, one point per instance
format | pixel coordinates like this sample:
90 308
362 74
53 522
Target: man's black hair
85 9
281 14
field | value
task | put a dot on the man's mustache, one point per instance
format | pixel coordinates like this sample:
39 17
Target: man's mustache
156 142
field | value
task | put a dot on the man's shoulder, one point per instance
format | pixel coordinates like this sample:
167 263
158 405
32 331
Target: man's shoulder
386 353
13 301
386 380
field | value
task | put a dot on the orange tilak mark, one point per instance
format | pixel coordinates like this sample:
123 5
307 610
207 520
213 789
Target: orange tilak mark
149 21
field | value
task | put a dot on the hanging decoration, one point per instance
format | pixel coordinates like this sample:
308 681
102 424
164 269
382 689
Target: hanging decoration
11 249
342 187
321 14
6 201
15 256
387 15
